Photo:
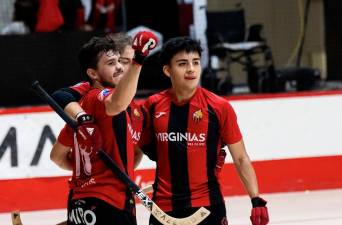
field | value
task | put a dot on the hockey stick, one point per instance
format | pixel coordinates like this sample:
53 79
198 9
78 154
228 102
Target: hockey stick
16 219
147 189
159 214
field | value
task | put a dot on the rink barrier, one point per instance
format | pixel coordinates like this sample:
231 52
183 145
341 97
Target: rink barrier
292 138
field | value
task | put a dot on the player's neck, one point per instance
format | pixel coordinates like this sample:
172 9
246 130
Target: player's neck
98 85
183 95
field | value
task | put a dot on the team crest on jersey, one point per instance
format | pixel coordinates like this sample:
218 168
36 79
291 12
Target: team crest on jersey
104 93
197 116
136 113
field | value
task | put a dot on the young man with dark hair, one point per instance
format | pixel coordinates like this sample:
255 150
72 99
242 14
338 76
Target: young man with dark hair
100 198
186 127
68 97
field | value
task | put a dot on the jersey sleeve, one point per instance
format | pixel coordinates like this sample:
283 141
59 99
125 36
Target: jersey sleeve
99 102
66 136
82 88
229 126
93 102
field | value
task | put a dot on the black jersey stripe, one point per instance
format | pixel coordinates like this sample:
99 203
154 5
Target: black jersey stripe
215 194
150 148
129 111
119 124
178 159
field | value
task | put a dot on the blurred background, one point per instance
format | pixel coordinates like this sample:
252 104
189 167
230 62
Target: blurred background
250 46
277 62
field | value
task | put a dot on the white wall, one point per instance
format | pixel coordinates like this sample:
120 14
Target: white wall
273 128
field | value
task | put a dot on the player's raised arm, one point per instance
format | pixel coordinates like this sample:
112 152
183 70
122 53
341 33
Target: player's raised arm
119 100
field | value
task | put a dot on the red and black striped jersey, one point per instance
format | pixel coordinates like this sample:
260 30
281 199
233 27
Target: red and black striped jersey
184 139
137 115
135 110
116 141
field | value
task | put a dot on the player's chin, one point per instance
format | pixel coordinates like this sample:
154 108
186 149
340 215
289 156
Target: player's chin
192 81
190 87
117 79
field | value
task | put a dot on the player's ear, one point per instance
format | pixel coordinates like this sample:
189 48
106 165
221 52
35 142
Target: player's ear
166 70
92 74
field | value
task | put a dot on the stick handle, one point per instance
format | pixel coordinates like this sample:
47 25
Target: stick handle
45 96
161 216
109 162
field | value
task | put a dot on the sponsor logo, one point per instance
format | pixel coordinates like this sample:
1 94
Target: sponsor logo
104 93
144 199
191 138
91 181
81 216
135 134
159 114
90 130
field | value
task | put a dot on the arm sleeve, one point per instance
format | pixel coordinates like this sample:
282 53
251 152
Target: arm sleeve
74 93
66 95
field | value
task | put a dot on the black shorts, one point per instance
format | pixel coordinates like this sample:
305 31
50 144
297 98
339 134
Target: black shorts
93 211
217 215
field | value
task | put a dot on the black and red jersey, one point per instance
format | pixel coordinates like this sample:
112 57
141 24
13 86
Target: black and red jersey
117 142
137 115
184 139
135 111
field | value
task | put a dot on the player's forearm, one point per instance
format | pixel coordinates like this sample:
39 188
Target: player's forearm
63 162
60 155
247 175
124 92
73 109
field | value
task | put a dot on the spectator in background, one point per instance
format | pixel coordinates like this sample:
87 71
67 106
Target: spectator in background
6 12
74 13
103 15
24 17
89 15
49 17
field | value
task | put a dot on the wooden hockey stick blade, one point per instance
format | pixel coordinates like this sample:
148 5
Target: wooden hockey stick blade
159 214
196 218
16 220
147 189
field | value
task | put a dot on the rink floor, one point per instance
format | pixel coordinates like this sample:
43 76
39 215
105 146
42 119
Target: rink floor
322 207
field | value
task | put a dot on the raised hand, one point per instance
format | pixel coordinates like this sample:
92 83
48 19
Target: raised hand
143 42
